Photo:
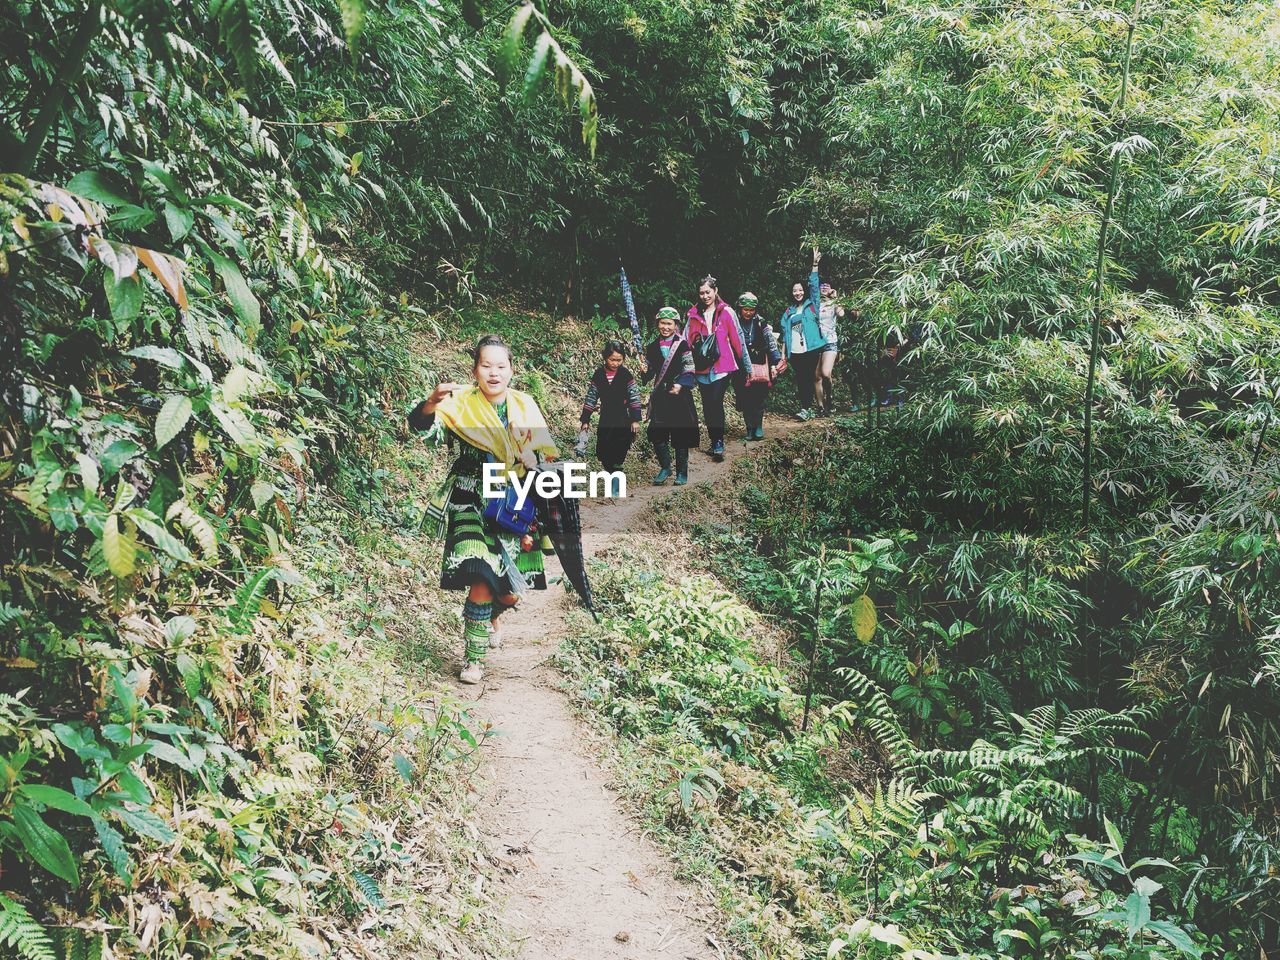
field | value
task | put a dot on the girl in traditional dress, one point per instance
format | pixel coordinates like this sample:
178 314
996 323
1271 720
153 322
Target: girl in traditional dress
489 423
614 392
762 345
673 419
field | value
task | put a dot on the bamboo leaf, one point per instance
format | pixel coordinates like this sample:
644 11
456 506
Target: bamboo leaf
242 299
509 51
353 19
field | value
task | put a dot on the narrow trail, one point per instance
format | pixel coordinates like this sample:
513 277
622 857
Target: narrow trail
582 882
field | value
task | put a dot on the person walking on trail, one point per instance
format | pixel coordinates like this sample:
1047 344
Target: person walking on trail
673 419
614 392
802 340
483 555
752 390
830 313
719 352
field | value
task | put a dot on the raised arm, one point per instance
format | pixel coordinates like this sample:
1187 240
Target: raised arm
815 292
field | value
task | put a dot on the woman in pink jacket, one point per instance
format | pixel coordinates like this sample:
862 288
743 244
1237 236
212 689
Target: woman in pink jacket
719 352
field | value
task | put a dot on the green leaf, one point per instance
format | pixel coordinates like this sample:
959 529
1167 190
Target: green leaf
537 63
235 24
146 824
509 51
57 798
1175 936
1137 913
162 750
863 614
404 766
162 538
262 493
189 670
46 846
117 455
369 888
124 297
103 186
119 547
172 418
165 356
19 930
242 299
236 425
1147 887
353 19
249 597
1113 835
113 848
61 512
88 472
179 220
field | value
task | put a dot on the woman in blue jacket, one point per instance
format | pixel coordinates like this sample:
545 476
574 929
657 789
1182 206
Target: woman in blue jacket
804 340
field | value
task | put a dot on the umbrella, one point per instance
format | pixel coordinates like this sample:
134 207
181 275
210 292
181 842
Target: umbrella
559 519
630 303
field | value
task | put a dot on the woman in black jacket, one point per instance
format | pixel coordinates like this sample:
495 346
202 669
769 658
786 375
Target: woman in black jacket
673 419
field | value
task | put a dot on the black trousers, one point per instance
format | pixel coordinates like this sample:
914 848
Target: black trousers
713 407
804 366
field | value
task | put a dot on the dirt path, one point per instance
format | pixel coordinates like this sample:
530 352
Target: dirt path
583 882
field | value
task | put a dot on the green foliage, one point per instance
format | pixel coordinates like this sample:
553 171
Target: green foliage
20 932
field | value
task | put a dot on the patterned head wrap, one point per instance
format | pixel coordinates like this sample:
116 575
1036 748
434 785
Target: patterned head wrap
668 313
747 300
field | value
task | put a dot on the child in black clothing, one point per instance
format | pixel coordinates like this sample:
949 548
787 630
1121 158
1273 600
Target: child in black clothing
613 391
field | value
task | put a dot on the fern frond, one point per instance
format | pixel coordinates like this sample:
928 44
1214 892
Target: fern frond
19 930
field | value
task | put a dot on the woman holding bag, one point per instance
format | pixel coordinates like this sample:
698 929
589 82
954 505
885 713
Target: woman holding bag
719 351
752 390
488 551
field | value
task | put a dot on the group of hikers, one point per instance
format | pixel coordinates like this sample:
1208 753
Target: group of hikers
494 548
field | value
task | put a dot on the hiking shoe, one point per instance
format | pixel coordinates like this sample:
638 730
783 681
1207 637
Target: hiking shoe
663 476
681 479
472 673
717 450
759 434
805 414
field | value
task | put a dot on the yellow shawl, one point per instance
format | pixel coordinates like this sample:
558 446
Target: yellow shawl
517 445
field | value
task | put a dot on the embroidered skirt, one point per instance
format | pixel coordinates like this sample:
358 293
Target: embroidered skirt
478 549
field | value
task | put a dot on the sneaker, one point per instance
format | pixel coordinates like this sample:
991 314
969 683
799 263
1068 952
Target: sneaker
472 673
717 450
681 479
495 637
759 435
663 476
805 414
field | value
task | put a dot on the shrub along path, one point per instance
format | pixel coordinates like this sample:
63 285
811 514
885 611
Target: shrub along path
583 882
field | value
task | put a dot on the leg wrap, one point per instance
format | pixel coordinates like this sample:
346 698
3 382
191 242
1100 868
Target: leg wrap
475 630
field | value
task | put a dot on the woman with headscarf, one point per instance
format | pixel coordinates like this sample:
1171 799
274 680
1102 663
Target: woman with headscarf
719 351
673 419
766 363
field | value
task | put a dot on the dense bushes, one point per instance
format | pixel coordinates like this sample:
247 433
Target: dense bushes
969 852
